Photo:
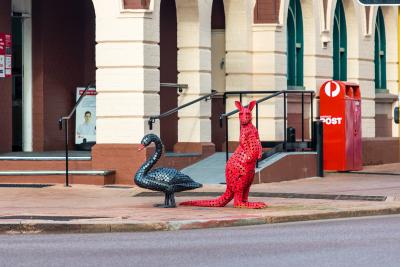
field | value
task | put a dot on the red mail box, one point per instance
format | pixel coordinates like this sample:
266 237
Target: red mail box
340 111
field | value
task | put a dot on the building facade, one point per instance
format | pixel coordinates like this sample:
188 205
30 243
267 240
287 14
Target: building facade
133 50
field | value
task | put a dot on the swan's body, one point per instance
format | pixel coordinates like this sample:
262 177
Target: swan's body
166 180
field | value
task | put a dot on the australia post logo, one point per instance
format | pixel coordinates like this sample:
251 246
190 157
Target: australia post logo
328 120
332 89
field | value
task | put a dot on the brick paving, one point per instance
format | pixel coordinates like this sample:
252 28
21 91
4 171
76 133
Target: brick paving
121 206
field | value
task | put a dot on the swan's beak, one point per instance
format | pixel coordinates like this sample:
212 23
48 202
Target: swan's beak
140 148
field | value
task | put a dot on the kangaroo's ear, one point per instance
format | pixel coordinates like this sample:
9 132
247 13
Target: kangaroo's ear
251 105
238 105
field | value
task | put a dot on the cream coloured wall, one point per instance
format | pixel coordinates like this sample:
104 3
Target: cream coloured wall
360 62
128 61
194 67
390 15
127 78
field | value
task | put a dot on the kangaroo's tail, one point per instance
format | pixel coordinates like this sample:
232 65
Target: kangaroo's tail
218 202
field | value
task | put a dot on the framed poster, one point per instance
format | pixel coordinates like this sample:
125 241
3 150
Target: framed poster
2 66
5 55
2 56
85 123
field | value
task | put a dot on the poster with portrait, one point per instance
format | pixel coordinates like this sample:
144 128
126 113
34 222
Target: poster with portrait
5 55
2 66
85 126
2 56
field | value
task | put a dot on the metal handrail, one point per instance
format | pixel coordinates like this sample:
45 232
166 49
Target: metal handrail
273 94
64 121
180 86
153 119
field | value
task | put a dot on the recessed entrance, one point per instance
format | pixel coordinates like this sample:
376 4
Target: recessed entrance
168 73
17 82
63 45
218 53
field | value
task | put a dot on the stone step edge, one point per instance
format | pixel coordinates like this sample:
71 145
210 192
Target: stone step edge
42 227
280 156
44 172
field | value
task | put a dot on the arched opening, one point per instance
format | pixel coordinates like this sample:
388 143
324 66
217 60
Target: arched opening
339 43
168 72
63 58
295 69
218 52
295 45
380 52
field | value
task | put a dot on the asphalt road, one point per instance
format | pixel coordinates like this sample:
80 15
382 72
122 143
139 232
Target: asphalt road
372 241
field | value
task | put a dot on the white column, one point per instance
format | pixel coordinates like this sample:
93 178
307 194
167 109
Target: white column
269 67
239 57
390 15
360 63
194 67
27 134
127 77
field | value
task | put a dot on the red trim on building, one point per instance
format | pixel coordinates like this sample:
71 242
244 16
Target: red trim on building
267 11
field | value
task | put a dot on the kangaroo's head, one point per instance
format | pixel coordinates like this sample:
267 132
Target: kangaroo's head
245 112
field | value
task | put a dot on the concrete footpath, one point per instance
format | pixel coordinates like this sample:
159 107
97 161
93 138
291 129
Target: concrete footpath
87 209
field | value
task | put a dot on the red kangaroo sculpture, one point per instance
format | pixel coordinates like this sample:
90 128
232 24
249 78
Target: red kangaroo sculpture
240 168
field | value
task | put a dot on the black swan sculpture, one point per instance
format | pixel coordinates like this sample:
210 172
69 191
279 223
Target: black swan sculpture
166 180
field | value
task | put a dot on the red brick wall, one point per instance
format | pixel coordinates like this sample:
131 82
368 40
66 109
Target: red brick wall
266 11
5 86
136 4
380 150
383 125
38 78
63 58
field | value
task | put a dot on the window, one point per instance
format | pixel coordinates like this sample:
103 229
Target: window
295 44
339 44
380 52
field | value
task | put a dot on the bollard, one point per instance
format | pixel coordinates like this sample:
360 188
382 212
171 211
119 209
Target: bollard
291 138
319 147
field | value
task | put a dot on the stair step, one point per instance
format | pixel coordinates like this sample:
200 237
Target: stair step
44 158
40 165
46 172
182 155
92 177
46 155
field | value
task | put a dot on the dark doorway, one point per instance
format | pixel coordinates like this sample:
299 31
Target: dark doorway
63 58
168 73
218 52
17 82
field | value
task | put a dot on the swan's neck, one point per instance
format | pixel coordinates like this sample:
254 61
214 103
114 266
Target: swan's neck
151 161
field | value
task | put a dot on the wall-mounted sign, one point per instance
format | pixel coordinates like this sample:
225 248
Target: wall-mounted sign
5 55
85 126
